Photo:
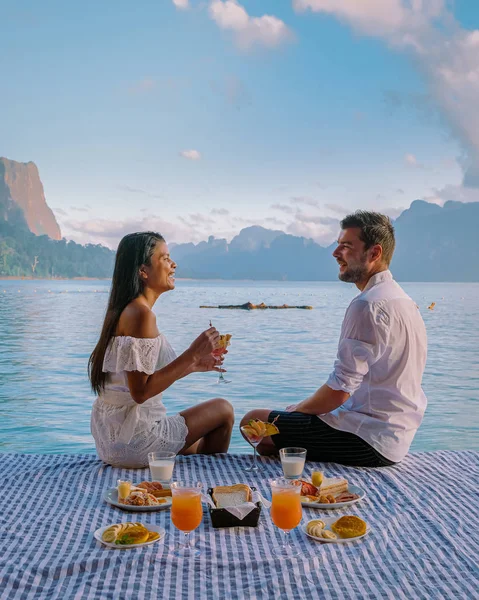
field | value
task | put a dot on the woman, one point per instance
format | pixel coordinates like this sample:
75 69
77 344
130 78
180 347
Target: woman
133 363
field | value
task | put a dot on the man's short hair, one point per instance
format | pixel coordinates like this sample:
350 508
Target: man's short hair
375 229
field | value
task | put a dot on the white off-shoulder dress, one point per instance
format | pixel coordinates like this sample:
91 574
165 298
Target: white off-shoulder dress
124 431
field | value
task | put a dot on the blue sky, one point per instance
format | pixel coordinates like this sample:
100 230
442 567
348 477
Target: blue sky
202 117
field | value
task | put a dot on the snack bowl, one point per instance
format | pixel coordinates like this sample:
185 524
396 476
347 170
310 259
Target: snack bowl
99 533
328 521
220 517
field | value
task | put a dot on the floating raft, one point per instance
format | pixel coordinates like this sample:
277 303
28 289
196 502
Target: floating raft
262 306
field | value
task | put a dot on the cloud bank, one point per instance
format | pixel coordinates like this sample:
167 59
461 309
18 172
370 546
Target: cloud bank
445 53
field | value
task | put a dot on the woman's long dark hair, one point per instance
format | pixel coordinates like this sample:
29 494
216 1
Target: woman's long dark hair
134 250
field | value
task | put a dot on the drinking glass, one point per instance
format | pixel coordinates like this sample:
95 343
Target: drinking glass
186 513
292 461
254 440
218 353
286 510
161 466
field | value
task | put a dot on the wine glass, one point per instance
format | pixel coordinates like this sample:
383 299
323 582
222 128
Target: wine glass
186 513
254 440
286 510
218 353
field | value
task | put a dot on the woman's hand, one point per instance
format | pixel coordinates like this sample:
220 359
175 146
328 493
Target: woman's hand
204 344
208 363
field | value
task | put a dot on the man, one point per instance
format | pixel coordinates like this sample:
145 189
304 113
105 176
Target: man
369 409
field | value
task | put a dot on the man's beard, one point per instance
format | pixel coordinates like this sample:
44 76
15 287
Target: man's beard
354 274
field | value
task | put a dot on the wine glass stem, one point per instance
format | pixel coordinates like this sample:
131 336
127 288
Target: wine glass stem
186 544
254 457
285 546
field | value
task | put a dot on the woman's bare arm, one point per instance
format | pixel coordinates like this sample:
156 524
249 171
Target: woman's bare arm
140 322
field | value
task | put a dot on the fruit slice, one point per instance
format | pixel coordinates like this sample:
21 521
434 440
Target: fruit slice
109 535
224 340
317 478
271 428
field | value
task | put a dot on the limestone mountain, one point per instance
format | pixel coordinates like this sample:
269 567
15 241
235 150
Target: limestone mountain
22 199
433 243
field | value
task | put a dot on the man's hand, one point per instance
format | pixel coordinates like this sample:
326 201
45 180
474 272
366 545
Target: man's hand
322 401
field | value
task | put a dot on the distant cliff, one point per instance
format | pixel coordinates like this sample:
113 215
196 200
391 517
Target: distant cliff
22 199
433 243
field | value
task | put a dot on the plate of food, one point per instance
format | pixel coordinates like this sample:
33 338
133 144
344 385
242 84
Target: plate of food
147 496
329 492
332 530
129 535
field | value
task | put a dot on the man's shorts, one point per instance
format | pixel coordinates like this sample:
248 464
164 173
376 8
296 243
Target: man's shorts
323 443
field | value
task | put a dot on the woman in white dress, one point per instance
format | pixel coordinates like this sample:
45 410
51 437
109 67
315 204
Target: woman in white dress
133 363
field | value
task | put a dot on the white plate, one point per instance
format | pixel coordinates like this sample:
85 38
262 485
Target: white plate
353 489
161 530
111 497
328 521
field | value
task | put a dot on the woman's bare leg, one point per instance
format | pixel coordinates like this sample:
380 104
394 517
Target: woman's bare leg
266 446
209 427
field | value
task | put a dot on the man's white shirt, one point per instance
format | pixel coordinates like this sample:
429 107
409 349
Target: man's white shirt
381 358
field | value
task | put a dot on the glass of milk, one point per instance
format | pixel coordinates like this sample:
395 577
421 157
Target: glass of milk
292 461
161 466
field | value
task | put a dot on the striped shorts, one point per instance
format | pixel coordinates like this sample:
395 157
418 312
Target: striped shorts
323 443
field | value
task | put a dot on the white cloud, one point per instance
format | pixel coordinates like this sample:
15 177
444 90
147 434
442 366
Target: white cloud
338 209
446 54
59 212
412 161
110 232
308 201
396 20
182 4
191 154
459 193
283 208
145 85
322 233
249 31
222 212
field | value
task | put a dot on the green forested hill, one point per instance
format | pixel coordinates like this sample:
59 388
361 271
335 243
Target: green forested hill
19 247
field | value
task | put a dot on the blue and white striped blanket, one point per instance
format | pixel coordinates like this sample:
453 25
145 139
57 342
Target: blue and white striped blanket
424 540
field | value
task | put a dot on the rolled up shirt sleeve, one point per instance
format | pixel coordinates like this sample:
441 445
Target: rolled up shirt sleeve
363 341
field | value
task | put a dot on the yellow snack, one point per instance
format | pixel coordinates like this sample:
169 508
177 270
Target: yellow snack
349 527
109 535
153 535
138 534
317 522
259 429
315 530
317 479
224 340
329 535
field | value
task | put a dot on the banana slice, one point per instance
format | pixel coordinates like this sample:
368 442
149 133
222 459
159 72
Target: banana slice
329 535
110 534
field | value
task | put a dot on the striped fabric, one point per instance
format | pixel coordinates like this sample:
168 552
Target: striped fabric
423 544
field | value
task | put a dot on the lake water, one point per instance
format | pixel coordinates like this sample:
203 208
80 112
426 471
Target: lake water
49 328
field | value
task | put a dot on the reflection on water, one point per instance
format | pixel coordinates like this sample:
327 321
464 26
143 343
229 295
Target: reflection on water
49 328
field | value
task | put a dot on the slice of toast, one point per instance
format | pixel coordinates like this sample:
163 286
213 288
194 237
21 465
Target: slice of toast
231 495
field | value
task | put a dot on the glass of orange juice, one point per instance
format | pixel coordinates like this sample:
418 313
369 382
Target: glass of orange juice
186 513
286 510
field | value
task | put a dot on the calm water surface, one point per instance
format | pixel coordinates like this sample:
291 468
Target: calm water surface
49 328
